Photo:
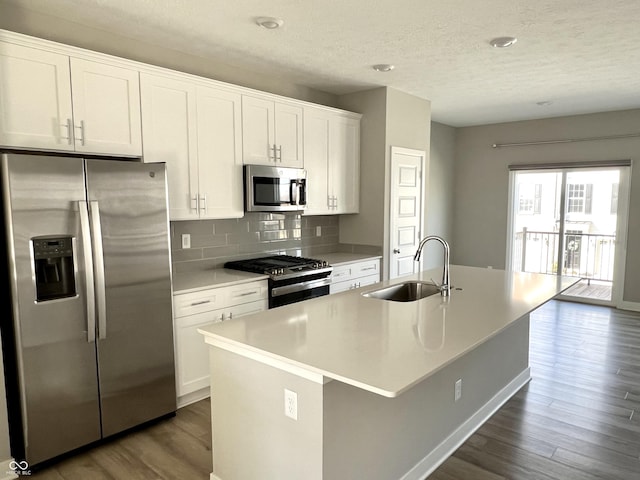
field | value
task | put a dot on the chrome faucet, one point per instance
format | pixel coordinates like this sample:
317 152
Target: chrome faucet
445 288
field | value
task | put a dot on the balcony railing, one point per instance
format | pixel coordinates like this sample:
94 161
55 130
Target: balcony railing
586 255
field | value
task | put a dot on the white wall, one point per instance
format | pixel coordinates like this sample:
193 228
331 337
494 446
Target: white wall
482 180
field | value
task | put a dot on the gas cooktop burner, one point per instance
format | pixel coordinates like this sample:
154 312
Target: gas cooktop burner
281 266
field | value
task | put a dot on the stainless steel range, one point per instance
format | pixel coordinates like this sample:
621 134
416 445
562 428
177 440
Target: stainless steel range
291 279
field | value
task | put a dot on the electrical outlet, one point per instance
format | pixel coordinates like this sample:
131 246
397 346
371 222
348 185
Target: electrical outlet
318 231
457 390
186 240
291 404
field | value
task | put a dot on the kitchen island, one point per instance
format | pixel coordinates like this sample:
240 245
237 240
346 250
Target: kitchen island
371 384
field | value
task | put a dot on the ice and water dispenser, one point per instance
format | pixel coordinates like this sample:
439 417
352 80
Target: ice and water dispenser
53 265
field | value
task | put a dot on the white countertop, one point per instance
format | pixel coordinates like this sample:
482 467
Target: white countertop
340 258
382 346
187 282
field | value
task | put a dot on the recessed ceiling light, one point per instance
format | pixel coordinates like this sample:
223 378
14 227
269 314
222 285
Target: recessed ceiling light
503 42
383 67
270 23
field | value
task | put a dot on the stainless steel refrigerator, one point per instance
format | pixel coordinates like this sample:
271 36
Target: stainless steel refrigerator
88 344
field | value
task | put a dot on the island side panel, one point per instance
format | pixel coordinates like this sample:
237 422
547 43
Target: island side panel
407 437
252 437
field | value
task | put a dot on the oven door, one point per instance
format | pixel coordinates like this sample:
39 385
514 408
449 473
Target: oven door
296 292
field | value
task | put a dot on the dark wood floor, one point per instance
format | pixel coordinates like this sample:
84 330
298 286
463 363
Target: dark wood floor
578 419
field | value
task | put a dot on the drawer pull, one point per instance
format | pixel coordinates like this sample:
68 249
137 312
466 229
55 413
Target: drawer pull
200 303
373 267
247 293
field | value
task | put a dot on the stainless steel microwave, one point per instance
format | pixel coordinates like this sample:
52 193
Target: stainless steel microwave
274 189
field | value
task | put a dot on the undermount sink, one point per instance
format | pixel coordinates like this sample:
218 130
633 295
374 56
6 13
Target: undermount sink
405 292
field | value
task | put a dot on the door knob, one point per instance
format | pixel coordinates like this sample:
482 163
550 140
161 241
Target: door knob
396 250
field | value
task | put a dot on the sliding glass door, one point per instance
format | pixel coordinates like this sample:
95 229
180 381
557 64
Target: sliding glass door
567 221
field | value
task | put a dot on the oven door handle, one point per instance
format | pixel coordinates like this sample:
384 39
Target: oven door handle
299 287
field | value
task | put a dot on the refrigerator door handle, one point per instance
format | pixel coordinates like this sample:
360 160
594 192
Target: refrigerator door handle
88 267
98 261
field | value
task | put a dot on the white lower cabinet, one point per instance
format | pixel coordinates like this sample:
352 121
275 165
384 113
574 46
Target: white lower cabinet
354 275
196 309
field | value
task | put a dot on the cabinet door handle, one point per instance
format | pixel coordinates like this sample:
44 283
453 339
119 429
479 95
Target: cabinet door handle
202 302
69 137
203 199
395 250
81 128
278 153
272 152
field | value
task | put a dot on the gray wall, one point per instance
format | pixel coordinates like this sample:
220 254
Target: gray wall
367 227
440 193
390 118
482 180
214 242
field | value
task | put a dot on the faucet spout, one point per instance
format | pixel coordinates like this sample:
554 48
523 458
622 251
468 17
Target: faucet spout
445 288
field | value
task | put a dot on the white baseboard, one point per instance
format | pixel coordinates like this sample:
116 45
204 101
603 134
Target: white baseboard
6 473
633 306
193 397
435 458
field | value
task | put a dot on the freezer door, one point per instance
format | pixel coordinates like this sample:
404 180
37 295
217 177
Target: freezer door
56 358
128 209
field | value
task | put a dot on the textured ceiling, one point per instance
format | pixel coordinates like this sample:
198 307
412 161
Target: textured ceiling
581 55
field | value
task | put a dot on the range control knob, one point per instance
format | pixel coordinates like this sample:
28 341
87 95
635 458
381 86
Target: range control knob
274 271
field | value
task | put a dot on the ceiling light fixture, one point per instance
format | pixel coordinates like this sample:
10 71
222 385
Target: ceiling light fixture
269 23
383 67
503 42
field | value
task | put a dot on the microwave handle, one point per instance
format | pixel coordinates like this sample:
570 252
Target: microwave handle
294 192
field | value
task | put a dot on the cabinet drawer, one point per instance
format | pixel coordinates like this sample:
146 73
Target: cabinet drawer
198 302
221 297
367 268
245 293
343 273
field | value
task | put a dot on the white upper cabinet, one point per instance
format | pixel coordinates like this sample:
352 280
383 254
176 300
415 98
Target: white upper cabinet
169 129
332 161
57 102
316 161
35 99
271 132
220 153
106 108
196 130
344 164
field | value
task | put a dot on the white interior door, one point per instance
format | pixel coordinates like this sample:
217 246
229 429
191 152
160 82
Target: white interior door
406 205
